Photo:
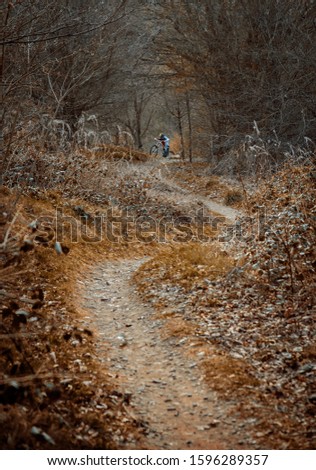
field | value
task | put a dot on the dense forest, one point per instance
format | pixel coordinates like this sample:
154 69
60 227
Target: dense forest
218 75
225 226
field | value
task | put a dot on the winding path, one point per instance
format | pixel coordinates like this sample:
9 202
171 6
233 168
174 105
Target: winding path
161 375
166 388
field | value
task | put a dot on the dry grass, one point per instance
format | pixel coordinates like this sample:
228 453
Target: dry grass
284 252
233 197
114 152
197 178
53 381
178 328
227 375
175 144
183 264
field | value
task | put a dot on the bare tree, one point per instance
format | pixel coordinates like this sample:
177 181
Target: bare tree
252 60
139 117
54 58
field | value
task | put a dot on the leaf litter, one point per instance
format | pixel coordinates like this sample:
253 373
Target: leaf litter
246 324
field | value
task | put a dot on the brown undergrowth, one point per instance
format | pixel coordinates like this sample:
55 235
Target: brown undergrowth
252 326
183 264
196 177
53 392
179 269
249 322
114 152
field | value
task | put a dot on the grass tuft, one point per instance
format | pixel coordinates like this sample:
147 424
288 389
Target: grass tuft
181 265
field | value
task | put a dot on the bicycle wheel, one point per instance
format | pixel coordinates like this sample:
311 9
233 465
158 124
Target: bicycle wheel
154 150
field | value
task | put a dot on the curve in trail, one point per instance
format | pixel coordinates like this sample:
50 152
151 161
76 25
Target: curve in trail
167 391
165 384
229 213
163 173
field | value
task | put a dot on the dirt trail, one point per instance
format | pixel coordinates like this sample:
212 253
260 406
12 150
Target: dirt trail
165 384
165 175
228 213
167 391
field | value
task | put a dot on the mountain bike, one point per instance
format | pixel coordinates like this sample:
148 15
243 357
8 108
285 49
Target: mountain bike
157 148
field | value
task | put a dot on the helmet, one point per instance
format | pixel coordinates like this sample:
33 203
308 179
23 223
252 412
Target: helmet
161 136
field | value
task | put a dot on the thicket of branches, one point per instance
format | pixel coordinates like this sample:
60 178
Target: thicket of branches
59 63
249 64
208 73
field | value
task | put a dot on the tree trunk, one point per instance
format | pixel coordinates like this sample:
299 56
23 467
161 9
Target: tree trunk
138 123
187 99
2 94
180 131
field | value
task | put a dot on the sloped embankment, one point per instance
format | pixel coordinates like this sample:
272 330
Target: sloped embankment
53 392
257 322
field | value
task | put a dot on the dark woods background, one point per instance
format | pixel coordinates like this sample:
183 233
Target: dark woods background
215 75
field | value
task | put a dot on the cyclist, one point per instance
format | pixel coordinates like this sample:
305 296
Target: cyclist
165 144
